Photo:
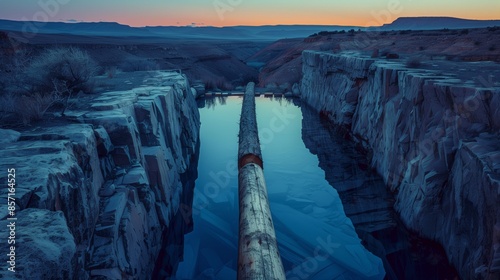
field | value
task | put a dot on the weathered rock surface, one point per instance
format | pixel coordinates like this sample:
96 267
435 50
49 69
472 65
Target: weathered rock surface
44 248
433 138
8 136
112 182
474 199
369 204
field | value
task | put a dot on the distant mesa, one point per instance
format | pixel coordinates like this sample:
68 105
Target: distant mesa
268 32
432 23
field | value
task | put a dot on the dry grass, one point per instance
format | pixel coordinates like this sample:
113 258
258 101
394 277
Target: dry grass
25 108
33 108
8 105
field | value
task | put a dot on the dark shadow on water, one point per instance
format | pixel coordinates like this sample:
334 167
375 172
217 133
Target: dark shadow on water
172 248
369 204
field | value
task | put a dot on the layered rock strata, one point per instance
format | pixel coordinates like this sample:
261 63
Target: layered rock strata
96 196
433 137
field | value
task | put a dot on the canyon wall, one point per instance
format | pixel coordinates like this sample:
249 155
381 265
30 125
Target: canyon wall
432 135
97 193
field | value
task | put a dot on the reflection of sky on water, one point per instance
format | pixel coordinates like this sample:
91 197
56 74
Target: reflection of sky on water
315 237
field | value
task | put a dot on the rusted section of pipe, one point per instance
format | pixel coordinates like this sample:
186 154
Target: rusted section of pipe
246 159
249 145
258 255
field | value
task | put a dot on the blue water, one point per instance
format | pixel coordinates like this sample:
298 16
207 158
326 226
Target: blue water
315 238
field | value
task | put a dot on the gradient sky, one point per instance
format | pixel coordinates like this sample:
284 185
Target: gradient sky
245 12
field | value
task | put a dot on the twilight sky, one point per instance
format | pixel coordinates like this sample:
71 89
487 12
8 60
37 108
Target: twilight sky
244 12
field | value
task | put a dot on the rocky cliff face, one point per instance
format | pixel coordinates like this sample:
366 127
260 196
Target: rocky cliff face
96 197
433 137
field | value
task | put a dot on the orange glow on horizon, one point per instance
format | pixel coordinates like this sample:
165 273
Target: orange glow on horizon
258 13
345 20
342 15
290 20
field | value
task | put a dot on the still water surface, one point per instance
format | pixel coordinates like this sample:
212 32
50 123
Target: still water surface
315 238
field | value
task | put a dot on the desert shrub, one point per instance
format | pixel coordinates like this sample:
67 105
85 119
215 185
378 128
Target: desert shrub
413 62
56 74
12 68
70 68
36 83
8 104
25 108
492 48
464 32
477 43
34 106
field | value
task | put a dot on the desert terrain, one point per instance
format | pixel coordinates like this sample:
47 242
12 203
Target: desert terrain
283 65
117 106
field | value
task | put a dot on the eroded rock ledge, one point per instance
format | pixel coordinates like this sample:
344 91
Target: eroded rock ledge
434 138
96 196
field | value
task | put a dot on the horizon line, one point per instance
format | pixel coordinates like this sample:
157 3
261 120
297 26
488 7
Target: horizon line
194 25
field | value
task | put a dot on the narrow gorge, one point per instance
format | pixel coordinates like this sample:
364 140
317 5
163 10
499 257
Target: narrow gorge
106 192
